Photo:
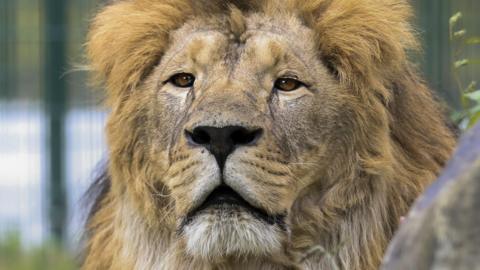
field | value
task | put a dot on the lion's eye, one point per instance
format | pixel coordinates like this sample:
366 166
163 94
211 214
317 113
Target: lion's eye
182 80
287 84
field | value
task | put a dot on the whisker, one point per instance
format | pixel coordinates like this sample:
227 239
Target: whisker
302 163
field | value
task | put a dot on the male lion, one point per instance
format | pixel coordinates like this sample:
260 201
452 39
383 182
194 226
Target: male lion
272 134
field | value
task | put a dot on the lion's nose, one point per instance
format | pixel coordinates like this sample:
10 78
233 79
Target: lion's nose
221 142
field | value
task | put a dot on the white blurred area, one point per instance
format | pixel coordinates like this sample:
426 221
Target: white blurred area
23 192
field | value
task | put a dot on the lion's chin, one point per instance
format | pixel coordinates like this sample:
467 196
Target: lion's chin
219 234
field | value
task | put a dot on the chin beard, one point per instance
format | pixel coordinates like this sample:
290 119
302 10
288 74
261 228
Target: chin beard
219 233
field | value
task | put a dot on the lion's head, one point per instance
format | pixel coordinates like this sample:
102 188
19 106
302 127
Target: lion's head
248 133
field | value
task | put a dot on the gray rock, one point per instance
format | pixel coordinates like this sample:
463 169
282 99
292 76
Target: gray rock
442 230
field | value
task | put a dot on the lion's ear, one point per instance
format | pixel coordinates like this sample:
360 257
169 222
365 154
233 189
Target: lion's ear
364 41
127 39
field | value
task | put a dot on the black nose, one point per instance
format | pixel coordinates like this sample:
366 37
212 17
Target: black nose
221 142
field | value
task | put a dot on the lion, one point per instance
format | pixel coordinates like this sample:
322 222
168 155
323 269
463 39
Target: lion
270 134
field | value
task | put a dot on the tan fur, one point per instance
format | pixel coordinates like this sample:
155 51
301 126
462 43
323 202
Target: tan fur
343 157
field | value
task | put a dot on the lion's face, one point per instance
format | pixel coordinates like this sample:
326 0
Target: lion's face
241 125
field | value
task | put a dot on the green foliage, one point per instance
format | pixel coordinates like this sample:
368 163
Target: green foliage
470 94
48 256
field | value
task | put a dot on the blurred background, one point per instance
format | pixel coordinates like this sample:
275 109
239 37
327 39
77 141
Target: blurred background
51 120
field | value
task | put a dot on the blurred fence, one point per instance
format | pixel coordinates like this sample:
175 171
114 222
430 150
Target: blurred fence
51 125
50 122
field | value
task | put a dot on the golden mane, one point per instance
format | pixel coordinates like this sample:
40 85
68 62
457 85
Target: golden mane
402 142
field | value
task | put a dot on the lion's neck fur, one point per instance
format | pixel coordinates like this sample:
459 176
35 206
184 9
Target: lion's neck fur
325 234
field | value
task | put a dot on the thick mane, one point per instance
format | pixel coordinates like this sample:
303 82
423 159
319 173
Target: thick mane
397 148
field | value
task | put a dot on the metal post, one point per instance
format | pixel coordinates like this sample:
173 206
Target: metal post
55 105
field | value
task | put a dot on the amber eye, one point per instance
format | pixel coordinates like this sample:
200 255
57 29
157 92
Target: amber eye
182 80
287 84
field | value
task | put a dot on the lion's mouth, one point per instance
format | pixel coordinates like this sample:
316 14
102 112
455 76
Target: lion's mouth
224 199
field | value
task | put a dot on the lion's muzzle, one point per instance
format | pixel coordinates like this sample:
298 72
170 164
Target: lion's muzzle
224 200
224 206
